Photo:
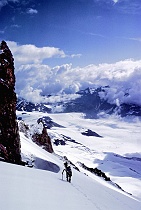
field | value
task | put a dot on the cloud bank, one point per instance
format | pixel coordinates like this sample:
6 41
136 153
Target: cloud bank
123 77
35 80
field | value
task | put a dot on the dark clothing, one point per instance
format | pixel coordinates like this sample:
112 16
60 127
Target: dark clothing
65 164
68 173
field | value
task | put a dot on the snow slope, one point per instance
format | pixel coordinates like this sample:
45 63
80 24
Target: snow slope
25 188
33 189
118 153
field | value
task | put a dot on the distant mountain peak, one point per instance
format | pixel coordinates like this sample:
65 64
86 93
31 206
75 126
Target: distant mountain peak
92 102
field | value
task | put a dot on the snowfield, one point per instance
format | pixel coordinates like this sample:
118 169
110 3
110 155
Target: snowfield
117 153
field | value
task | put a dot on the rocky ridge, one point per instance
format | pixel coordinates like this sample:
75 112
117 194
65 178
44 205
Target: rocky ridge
10 148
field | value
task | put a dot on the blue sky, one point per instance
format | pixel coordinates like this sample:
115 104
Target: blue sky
63 46
87 31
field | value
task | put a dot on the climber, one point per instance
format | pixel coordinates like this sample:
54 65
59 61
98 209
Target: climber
68 172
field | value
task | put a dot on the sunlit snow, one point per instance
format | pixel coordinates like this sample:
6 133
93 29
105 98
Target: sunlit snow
117 154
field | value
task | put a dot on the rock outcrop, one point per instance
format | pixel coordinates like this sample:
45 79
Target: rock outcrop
10 149
43 139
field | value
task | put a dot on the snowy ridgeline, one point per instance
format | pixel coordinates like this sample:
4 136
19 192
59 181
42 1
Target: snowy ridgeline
116 154
91 101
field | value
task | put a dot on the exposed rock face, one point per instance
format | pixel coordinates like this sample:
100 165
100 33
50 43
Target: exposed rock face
24 128
43 139
9 133
90 133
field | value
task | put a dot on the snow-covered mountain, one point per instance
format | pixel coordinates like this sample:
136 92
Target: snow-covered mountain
91 101
23 105
100 139
116 152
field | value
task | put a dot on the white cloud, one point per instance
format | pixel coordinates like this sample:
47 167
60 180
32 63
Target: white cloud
115 1
5 2
30 54
76 55
122 77
136 39
31 94
15 26
32 11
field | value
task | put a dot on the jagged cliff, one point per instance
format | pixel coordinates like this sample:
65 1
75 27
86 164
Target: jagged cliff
10 149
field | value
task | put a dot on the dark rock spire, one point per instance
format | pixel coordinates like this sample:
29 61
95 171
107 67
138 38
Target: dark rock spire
10 149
